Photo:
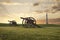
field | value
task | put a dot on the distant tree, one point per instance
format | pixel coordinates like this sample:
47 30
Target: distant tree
57 6
52 9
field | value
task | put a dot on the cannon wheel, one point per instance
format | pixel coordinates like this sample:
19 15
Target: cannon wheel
24 22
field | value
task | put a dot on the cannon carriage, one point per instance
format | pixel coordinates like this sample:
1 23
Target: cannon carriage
28 21
13 22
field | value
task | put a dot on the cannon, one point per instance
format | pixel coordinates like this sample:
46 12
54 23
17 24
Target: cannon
28 22
13 22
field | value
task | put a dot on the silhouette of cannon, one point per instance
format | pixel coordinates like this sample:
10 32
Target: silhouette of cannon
13 22
29 22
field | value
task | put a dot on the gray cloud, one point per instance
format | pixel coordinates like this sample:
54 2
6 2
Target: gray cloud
48 6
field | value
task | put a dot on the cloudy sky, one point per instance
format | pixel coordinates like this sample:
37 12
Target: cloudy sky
13 9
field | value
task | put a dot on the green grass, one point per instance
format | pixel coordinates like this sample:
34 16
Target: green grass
19 25
47 32
50 25
20 33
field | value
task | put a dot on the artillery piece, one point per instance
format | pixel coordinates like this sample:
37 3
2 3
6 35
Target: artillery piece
13 22
28 21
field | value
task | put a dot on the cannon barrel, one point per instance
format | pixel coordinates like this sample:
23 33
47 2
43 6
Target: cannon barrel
9 21
23 18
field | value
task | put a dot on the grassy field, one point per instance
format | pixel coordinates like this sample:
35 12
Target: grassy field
47 32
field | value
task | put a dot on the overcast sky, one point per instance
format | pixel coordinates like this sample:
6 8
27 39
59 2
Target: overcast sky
13 9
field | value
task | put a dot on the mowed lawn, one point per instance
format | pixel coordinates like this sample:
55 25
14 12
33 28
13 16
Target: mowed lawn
19 33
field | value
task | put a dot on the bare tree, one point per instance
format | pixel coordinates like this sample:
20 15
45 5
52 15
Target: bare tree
57 7
52 9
